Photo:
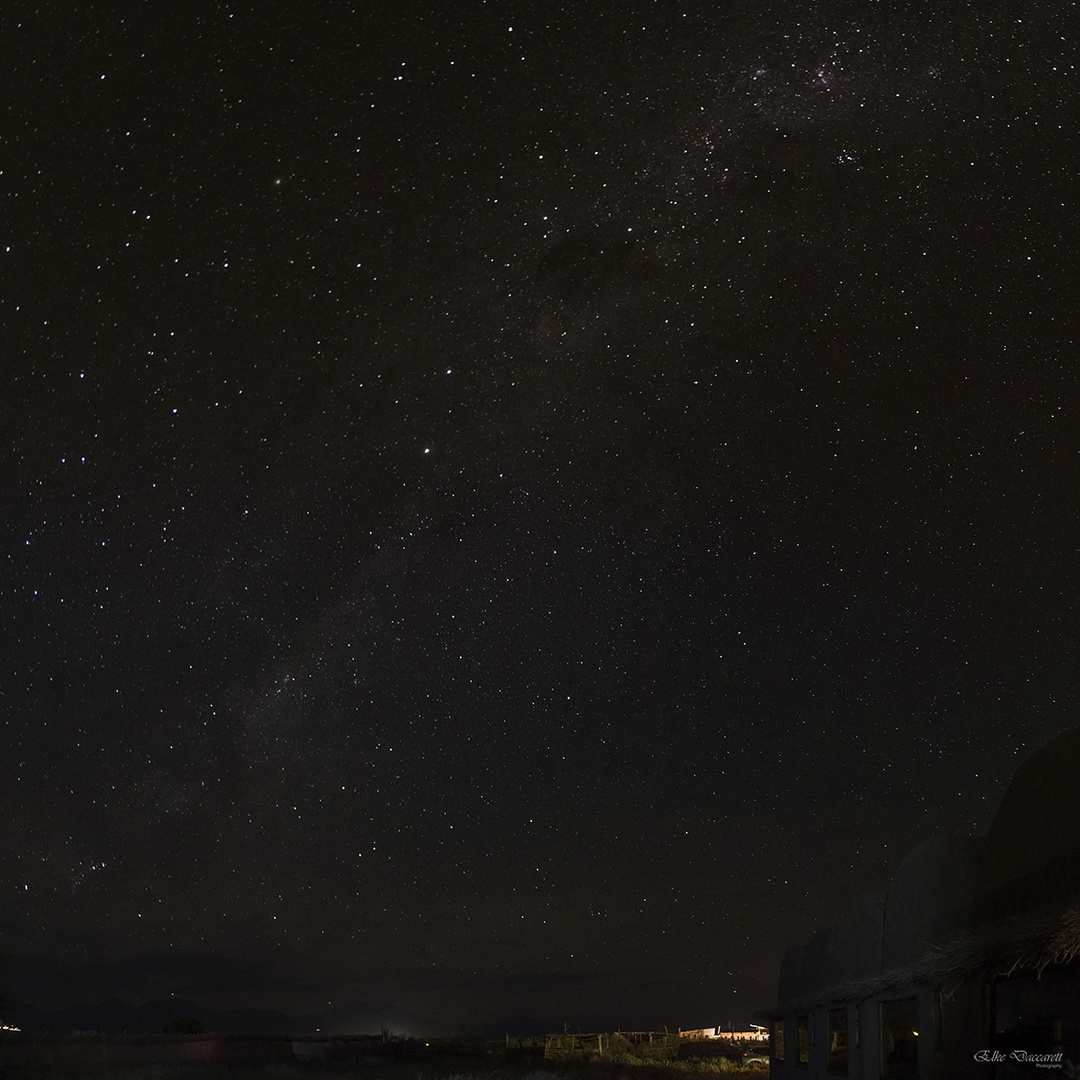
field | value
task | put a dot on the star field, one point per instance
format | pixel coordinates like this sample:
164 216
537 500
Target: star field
522 509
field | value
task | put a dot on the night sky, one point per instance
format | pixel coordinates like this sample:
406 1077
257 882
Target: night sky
521 508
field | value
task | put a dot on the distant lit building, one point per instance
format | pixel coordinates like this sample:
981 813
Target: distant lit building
968 966
755 1034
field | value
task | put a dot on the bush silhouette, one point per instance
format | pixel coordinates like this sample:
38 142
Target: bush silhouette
183 1025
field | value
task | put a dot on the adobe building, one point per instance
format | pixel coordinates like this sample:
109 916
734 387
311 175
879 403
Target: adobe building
967 966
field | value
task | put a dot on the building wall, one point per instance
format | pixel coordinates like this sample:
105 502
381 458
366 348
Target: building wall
856 951
868 1051
818 960
948 1039
791 973
1033 846
929 899
788 1068
943 887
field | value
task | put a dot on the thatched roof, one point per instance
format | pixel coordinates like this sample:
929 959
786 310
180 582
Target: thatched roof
994 950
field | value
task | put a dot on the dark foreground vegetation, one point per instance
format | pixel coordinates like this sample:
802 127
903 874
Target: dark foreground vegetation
409 1059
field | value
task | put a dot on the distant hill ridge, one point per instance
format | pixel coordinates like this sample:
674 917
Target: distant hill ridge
114 1017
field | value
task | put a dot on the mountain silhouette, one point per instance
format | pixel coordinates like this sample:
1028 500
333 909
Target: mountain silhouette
114 1017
